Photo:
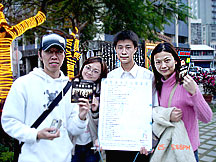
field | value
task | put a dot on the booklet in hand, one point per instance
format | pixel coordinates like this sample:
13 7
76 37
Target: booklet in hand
82 89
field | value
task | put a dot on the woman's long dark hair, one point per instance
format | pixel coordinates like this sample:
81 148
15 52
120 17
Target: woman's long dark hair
167 47
90 60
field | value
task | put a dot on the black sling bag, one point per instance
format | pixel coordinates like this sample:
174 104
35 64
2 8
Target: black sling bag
17 148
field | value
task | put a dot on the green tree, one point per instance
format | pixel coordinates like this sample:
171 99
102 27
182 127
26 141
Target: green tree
145 17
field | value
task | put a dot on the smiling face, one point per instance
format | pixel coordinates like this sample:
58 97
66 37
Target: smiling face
92 71
52 59
164 63
125 51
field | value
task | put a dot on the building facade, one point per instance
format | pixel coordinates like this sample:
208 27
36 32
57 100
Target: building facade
207 13
196 31
203 56
203 32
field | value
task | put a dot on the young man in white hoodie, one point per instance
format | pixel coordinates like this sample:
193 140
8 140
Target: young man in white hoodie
31 94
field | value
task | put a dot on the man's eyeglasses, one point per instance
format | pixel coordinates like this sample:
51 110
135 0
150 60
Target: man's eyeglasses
58 52
94 71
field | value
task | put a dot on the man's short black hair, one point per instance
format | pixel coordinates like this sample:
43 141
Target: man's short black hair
126 34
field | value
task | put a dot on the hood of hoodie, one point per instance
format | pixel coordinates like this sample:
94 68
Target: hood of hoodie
40 73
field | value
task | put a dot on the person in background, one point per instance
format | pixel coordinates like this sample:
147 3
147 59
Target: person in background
126 44
93 69
30 96
188 100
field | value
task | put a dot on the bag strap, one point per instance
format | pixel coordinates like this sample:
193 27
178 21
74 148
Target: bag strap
171 94
51 106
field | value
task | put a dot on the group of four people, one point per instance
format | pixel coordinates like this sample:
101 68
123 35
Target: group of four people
31 94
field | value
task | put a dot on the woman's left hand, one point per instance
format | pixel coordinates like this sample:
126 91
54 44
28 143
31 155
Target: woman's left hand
143 151
189 84
96 144
95 104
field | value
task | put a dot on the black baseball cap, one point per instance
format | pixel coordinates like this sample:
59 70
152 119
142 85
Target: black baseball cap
52 40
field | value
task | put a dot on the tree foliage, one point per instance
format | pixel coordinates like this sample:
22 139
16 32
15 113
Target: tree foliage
145 17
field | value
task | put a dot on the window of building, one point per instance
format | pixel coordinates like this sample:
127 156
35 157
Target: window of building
195 53
182 39
213 28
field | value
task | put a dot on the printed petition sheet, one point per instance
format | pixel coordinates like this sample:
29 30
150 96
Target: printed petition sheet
125 121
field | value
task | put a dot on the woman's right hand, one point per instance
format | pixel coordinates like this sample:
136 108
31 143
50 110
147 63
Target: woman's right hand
176 115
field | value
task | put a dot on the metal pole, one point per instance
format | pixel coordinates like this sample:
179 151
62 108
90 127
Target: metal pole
17 58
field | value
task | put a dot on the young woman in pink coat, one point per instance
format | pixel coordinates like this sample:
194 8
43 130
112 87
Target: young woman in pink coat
188 100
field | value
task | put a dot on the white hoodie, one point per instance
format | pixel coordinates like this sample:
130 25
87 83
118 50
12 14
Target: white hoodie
29 96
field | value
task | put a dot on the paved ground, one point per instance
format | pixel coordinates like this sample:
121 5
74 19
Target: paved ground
207 149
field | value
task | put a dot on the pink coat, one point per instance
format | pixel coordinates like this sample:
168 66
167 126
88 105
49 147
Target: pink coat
193 108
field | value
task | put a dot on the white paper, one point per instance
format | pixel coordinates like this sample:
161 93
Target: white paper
125 121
